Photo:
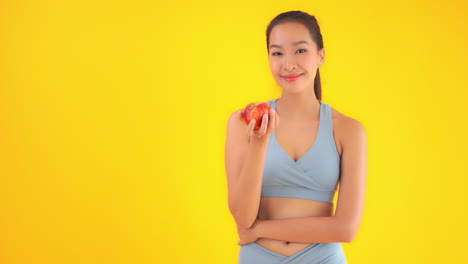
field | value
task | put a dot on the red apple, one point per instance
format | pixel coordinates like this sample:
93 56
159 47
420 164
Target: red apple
256 110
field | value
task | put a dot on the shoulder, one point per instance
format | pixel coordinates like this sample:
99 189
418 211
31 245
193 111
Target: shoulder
348 128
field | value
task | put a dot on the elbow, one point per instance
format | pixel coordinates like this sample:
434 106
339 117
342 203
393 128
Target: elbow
347 237
348 233
346 228
242 219
245 224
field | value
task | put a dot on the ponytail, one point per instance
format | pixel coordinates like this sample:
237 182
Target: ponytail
318 86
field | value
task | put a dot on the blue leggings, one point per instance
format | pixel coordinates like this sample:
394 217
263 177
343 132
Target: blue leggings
316 253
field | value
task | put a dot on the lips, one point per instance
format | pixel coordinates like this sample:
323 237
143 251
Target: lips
292 75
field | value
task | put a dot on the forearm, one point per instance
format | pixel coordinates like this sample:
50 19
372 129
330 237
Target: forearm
327 229
244 200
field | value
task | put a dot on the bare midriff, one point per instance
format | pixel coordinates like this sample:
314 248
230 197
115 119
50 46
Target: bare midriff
272 208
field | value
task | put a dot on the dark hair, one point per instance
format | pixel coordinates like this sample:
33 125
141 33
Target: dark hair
310 22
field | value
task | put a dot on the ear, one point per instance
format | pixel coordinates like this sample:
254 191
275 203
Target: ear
322 57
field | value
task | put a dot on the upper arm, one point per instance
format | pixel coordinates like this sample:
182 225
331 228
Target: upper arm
236 144
350 205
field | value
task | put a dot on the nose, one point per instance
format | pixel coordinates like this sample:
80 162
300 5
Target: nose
290 63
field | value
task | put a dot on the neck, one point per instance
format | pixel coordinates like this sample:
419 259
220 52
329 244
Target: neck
298 104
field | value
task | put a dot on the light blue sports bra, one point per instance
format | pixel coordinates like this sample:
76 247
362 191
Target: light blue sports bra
314 176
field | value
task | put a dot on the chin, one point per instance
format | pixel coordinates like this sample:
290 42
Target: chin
293 89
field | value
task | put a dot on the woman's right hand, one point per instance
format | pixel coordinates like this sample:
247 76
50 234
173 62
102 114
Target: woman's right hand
269 123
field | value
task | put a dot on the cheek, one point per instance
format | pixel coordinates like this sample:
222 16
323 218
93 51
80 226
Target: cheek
307 61
274 66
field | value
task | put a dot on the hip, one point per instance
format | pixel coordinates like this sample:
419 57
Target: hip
330 253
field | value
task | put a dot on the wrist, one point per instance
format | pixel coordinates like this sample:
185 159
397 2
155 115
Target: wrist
257 227
254 140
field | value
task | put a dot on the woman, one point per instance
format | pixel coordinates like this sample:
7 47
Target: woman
282 178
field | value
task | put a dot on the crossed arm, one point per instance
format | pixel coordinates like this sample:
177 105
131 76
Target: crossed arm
303 230
344 225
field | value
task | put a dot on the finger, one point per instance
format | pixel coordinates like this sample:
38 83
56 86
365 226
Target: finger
263 126
272 122
250 128
277 119
257 132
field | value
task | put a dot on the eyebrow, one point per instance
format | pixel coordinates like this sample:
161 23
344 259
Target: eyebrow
295 44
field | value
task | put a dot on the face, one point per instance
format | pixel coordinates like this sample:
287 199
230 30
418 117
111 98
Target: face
293 52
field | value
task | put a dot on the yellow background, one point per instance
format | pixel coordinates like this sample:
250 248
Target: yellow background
113 118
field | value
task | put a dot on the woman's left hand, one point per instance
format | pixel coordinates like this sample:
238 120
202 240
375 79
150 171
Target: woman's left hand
246 235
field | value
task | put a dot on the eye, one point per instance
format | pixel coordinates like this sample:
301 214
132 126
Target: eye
279 53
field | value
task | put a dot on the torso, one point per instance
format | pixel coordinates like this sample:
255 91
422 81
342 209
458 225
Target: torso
304 130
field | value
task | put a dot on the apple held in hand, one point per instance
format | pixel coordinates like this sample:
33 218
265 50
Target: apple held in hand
256 110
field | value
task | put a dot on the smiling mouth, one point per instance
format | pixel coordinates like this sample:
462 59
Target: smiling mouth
293 78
